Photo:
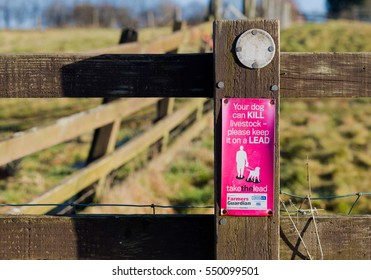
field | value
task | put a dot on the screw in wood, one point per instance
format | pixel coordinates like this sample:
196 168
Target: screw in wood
254 32
225 101
271 49
255 65
220 85
274 88
223 221
238 49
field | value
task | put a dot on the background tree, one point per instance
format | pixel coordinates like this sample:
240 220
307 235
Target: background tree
57 14
336 7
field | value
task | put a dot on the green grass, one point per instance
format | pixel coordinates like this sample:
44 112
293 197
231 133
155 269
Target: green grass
67 40
192 174
333 36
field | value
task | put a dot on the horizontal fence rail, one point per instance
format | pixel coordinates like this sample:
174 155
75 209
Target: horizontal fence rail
163 44
103 166
305 75
114 237
80 75
68 128
341 237
176 75
167 237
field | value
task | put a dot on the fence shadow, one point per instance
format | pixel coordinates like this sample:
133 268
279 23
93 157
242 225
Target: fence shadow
145 237
295 248
138 76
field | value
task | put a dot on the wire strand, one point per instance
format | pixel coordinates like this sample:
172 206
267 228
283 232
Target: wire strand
104 205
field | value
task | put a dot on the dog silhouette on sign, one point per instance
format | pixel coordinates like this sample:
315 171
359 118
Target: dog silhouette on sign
254 175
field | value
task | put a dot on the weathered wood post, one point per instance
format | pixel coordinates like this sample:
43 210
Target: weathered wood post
249 8
245 236
216 8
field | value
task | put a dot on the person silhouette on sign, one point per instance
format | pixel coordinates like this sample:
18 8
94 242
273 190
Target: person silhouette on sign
241 161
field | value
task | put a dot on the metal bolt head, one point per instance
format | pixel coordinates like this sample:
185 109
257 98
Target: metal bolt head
254 32
274 88
271 49
220 85
255 65
223 221
238 49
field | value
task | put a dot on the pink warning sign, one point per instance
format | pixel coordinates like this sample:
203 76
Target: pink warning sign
247 157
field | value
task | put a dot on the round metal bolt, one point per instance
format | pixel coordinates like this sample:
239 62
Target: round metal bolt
274 88
238 49
272 102
225 101
271 49
254 32
223 221
270 212
255 65
220 85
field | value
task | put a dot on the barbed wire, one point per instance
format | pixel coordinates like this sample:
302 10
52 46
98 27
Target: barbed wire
175 207
85 205
357 195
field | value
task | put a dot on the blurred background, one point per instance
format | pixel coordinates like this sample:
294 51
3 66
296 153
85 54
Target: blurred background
331 137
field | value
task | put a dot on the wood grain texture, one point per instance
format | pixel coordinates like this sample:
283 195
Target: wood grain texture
342 238
167 237
112 238
325 75
106 75
302 75
244 237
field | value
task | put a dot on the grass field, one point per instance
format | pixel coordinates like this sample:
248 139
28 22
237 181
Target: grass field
67 40
333 134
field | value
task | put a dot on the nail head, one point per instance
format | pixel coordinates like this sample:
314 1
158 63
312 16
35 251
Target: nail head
274 88
220 85
223 221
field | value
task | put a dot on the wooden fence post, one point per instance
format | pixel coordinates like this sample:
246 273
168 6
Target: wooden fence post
165 106
215 9
249 8
104 141
244 237
105 138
